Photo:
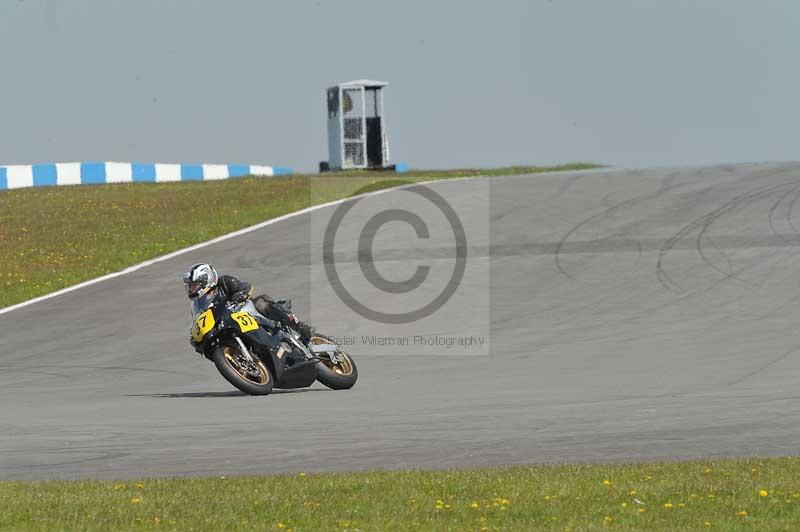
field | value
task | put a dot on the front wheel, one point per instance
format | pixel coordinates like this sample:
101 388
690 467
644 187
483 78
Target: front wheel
340 375
252 378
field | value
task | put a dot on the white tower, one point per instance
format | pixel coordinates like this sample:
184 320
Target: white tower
356 125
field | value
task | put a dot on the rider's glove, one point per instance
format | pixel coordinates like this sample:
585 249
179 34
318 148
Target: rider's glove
239 297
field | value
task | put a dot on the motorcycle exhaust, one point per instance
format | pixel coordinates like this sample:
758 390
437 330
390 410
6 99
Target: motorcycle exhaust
322 348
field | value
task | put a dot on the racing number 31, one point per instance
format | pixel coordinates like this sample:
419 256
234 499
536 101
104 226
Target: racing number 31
245 321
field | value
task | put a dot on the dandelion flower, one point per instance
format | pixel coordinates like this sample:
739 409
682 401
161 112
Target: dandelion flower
668 506
473 505
707 523
624 505
606 483
136 500
140 486
742 514
707 470
633 492
763 493
641 510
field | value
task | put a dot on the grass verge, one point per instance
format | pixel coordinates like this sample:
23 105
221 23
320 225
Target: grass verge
723 495
54 237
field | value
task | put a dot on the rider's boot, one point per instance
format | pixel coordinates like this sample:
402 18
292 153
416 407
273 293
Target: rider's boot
306 331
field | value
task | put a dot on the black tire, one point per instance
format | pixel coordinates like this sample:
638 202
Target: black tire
226 358
342 376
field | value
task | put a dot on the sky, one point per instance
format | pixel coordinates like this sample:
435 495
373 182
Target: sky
472 84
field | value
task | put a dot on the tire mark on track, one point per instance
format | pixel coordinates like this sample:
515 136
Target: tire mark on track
729 273
701 251
705 221
775 208
789 212
662 275
764 366
790 240
603 214
699 243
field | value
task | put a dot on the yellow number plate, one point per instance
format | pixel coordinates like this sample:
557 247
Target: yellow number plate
246 321
203 324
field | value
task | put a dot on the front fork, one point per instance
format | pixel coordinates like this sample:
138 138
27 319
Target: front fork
246 352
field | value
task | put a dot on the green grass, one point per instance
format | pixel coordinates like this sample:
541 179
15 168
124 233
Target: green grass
723 495
54 237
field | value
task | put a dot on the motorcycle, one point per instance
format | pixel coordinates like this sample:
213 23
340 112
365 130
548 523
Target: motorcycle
257 354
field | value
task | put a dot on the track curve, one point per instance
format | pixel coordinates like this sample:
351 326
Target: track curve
635 315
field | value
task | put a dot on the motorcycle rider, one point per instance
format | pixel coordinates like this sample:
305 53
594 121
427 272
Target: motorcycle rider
202 278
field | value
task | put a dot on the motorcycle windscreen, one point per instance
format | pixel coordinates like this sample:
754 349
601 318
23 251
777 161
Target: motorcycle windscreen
201 304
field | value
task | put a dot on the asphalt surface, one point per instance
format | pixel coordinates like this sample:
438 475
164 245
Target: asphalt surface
629 315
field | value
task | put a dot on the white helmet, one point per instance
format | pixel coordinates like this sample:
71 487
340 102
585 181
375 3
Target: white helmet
199 280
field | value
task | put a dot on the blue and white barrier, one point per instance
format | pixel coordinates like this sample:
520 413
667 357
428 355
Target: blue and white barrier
91 173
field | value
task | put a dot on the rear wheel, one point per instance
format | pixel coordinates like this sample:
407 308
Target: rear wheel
251 377
339 375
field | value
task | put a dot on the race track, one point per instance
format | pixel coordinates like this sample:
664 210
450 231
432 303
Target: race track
635 315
